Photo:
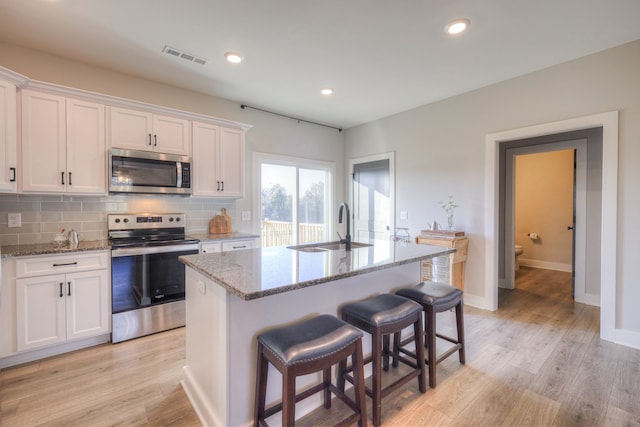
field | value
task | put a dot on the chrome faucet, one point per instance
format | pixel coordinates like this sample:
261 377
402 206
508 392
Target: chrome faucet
347 237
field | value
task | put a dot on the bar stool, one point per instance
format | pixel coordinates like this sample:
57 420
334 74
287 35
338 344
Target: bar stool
435 298
381 316
305 347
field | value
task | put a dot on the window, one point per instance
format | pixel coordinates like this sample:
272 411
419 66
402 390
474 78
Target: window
295 199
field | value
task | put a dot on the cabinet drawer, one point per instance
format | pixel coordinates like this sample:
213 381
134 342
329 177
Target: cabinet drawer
236 245
43 265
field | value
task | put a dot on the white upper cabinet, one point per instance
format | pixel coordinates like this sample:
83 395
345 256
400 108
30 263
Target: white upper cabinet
141 130
63 145
8 139
218 161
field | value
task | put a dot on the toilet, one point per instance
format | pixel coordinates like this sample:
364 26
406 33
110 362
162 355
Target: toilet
518 250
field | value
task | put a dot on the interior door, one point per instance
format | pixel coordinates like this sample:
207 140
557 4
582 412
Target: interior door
372 199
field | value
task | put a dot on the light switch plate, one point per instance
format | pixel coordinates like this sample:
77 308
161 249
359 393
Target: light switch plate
404 215
14 220
246 215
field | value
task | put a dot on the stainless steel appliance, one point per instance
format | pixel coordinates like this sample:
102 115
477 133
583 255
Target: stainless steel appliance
147 278
148 172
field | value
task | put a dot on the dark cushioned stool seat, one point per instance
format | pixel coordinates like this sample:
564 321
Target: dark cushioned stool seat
436 298
381 316
305 347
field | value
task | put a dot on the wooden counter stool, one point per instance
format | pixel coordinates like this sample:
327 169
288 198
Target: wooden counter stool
435 298
381 316
309 346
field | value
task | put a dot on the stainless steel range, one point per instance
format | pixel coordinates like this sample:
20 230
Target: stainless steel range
147 278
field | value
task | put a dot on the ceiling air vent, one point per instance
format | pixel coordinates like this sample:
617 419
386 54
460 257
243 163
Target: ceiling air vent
184 55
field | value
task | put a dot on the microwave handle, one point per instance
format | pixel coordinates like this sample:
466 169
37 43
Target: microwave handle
178 174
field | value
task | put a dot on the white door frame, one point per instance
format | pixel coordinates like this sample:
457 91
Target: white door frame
392 182
608 256
580 230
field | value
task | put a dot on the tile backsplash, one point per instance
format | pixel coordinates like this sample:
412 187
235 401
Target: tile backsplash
45 216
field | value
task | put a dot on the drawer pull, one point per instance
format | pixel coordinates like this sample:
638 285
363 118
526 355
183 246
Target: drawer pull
240 247
13 179
68 288
66 263
60 289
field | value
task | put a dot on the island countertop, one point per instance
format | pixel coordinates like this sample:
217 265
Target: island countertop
257 273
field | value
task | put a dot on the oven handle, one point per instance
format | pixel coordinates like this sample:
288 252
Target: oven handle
120 252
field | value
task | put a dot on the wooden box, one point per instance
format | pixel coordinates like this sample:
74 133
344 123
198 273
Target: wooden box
433 269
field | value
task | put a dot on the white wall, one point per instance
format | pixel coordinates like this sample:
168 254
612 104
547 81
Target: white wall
440 150
269 134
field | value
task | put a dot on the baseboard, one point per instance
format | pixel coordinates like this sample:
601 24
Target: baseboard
198 401
557 266
628 338
41 353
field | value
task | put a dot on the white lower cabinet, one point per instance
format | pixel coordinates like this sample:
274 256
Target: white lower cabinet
71 302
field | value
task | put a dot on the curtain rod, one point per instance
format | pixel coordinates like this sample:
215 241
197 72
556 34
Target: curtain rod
243 106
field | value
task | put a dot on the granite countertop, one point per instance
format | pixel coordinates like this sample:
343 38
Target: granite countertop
257 273
49 248
7 251
234 235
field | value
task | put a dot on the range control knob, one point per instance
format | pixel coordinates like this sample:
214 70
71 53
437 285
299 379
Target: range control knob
117 220
170 219
126 220
178 219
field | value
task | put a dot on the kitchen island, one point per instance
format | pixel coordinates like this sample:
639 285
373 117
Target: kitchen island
231 297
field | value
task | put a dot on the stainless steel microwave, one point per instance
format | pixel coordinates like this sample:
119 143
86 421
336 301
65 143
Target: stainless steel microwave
148 172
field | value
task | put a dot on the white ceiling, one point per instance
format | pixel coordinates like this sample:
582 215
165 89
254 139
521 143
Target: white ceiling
380 56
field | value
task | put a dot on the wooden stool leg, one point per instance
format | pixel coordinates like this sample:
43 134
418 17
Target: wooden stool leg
288 398
326 380
417 328
460 326
357 361
396 349
376 353
431 345
261 386
342 369
385 352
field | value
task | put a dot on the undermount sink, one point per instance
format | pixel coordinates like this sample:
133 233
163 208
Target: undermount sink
327 246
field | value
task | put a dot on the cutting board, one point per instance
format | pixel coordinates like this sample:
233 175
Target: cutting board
220 224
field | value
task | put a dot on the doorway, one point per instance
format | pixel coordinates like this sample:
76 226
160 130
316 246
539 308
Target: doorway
559 240
546 210
372 197
607 220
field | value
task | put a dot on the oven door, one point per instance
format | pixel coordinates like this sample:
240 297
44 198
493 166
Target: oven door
146 276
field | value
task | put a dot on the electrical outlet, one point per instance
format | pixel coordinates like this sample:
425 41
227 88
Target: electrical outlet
14 220
246 215
201 287
404 215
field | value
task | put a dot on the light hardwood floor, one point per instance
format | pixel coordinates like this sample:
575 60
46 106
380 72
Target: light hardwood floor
537 361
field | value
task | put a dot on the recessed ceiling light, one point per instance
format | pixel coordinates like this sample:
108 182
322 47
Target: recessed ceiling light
458 26
233 57
326 91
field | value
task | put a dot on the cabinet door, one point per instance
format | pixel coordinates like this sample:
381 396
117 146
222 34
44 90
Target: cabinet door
8 138
86 148
40 310
231 162
88 304
171 135
43 145
130 129
205 146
